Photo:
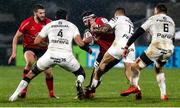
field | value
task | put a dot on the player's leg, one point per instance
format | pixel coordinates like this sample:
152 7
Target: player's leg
90 93
160 77
128 61
96 65
163 56
29 59
42 64
25 82
140 63
80 75
49 82
48 75
107 58
70 63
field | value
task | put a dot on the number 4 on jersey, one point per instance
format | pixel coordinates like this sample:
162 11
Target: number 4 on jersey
60 33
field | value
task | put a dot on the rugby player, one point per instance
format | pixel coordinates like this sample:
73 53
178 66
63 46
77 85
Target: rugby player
105 39
162 29
60 34
29 29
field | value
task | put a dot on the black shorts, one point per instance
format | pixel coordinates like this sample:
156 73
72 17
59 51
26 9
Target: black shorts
37 52
110 65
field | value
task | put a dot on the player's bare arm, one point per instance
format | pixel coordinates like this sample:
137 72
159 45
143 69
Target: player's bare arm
105 29
81 44
14 46
38 40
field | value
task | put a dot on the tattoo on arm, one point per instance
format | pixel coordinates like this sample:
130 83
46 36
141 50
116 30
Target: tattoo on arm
104 29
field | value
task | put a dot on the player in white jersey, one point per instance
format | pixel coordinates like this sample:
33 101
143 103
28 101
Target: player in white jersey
123 30
162 29
60 34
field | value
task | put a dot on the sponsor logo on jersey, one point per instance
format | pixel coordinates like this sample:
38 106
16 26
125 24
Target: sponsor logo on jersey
60 41
58 60
168 36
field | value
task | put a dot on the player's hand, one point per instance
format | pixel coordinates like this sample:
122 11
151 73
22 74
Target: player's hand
12 57
125 52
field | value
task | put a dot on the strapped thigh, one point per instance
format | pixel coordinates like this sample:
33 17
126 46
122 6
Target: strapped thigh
144 61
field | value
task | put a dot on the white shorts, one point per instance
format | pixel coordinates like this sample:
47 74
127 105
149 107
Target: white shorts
162 54
64 60
117 50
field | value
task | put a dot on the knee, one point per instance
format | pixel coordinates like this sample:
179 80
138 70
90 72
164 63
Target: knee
48 73
135 68
36 70
29 58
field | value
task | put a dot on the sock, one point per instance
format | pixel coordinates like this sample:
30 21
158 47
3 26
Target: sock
94 83
161 82
135 78
22 85
50 86
25 72
80 78
92 75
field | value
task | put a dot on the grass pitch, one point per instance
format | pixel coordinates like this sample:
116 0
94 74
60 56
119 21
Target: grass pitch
107 94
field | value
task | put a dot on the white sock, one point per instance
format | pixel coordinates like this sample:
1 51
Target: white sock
135 78
22 85
161 82
80 78
94 83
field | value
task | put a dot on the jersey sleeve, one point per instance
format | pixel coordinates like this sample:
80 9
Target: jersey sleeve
101 21
44 31
113 22
104 20
147 24
23 26
76 31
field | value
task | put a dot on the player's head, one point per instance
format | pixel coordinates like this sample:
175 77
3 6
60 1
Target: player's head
39 12
61 14
160 8
119 11
88 18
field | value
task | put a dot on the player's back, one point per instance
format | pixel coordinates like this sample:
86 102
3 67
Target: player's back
123 28
61 34
162 30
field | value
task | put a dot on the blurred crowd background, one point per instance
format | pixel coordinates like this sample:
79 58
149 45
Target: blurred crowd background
13 12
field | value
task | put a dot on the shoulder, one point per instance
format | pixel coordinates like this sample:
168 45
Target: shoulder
153 17
71 24
26 22
47 20
101 20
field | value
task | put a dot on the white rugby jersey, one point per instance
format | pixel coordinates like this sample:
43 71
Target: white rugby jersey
60 34
124 28
161 27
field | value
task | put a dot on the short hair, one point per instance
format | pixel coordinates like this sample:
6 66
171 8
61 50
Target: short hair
37 6
161 8
87 13
120 9
61 14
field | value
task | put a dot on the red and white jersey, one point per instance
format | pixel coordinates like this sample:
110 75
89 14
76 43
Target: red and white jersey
104 40
30 30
